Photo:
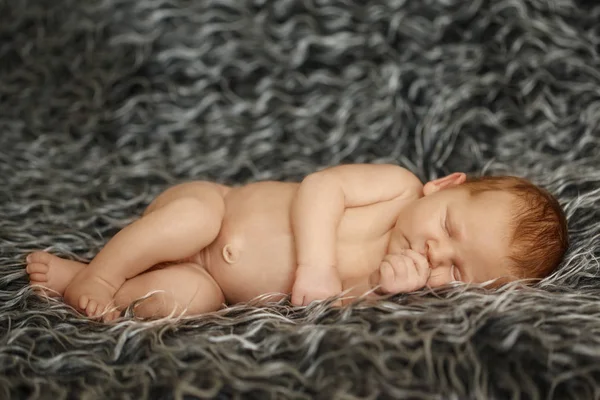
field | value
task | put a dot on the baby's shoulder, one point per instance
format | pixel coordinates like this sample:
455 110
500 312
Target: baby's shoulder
414 192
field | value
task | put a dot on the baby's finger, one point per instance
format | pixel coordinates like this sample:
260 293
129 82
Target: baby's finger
421 263
394 271
387 272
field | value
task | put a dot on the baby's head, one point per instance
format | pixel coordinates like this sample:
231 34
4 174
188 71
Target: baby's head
484 228
538 226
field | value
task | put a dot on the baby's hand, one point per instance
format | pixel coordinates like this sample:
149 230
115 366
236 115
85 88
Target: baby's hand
401 273
315 283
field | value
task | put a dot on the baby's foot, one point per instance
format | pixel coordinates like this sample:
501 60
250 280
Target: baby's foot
51 274
92 295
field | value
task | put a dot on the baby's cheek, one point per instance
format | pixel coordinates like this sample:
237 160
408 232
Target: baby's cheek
439 277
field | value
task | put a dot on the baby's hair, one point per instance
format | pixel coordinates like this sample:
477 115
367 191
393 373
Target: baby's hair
540 234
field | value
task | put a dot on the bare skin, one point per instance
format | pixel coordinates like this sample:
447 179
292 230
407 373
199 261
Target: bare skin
203 245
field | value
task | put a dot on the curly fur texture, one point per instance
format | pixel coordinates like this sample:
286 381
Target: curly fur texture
103 104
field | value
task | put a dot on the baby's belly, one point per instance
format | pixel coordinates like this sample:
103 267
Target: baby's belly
246 267
249 265
254 253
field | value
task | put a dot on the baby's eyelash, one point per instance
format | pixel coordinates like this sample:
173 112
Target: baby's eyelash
445 222
456 274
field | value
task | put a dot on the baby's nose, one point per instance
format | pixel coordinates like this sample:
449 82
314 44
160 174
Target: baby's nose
438 256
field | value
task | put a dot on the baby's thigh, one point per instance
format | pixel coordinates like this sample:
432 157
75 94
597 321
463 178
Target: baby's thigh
208 192
181 289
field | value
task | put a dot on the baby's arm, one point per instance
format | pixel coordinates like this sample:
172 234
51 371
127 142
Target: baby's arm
317 211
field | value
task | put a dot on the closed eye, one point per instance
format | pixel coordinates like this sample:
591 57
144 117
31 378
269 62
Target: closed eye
447 225
456 275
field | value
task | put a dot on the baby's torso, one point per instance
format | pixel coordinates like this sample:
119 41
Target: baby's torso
254 253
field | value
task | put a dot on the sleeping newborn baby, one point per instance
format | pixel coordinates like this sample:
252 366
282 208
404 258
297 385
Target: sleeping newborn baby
364 229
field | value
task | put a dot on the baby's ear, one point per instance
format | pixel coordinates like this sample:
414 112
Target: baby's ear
447 181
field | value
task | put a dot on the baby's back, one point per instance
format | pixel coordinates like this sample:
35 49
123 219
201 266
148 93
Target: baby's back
255 253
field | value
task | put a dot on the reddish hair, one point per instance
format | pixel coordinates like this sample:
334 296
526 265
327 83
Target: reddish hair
540 237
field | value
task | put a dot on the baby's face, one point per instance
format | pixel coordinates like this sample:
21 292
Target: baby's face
465 238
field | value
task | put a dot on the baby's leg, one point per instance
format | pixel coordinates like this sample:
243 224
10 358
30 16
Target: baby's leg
177 230
186 286
182 290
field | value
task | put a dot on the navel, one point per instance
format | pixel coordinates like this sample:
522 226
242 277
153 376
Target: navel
230 254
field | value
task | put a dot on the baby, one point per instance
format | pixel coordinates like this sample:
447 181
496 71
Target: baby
355 227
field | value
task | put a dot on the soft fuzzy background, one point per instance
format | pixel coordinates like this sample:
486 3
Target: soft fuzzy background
103 104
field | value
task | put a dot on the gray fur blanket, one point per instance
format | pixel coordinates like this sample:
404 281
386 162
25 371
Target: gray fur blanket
104 104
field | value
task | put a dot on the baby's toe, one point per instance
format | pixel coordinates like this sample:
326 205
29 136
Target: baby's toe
91 308
83 302
36 267
38 277
41 257
111 316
